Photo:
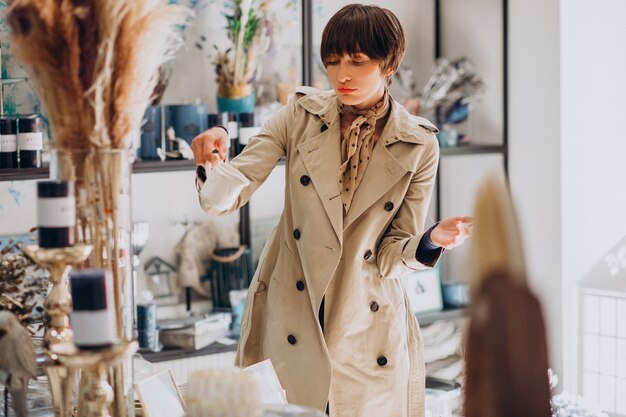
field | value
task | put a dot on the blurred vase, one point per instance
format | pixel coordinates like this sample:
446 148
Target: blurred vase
236 99
188 120
103 219
236 105
151 134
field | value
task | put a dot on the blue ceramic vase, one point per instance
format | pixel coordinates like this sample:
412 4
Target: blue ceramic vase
236 105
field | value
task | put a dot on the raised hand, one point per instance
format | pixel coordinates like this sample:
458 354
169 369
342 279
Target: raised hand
452 231
210 145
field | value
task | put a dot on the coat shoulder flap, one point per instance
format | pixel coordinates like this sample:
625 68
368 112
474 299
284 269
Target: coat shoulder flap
416 129
313 100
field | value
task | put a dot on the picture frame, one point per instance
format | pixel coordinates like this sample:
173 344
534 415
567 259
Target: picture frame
423 289
159 396
160 278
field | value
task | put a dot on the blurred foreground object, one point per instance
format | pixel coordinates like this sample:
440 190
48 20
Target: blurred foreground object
507 359
17 360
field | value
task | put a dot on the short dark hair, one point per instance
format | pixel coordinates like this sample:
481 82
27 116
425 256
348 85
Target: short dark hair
372 30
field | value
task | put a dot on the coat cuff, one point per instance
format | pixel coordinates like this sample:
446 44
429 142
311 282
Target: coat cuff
222 187
409 253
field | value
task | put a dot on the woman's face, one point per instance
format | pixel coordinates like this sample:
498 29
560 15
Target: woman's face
357 79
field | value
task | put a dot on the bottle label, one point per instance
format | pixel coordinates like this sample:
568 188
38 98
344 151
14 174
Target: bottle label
30 141
56 212
245 133
8 143
232 128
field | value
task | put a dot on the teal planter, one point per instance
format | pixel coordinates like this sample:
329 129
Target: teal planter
236 105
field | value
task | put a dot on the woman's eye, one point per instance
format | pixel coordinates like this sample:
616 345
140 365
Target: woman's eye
359 63
331 62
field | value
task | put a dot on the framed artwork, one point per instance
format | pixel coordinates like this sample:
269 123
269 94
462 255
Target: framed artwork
160 279
424 291
159 396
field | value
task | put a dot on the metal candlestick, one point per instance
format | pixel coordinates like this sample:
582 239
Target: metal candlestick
97 395
58 306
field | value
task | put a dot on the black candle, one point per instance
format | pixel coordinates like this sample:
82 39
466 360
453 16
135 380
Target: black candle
8 142
56 213
30 142
218 119
93 314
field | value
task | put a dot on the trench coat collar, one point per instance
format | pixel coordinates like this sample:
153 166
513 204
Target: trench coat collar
322 157
401 126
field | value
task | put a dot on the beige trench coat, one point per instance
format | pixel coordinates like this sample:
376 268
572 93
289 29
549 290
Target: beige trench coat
368 359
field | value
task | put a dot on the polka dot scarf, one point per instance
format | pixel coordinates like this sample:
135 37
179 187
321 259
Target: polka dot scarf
356 147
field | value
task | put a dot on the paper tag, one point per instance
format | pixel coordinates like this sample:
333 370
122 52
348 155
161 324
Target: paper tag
271 390
30 141
8 143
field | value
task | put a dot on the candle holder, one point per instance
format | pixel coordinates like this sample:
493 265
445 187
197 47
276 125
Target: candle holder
96 392
58 306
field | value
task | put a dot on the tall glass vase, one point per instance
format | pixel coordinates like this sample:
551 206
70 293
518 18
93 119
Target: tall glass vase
103 219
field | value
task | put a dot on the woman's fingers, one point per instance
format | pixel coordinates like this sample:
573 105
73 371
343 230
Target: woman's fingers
198 146
208 147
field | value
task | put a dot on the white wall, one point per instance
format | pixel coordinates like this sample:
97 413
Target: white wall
593 101
165 200
534 151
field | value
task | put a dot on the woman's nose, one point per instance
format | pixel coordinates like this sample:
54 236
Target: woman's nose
343 75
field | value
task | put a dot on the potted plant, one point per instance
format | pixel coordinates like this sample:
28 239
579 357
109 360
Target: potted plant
239 66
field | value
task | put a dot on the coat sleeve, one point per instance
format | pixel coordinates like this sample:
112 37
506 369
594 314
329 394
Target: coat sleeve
255 163
398 246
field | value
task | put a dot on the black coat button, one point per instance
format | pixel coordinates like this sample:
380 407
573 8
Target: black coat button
324 128
305 180
296 234
300 285
367 255
292 340
381 361
388 206
374 306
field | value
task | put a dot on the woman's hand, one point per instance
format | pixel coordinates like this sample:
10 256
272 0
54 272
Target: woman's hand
210 145
452 231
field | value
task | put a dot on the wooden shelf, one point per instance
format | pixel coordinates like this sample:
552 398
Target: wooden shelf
175 354
6 81
24 174
144 167
472 149
425 319
139 167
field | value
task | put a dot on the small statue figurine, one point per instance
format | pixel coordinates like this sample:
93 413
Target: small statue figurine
17 360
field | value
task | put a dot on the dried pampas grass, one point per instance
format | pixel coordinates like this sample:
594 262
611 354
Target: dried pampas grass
94 63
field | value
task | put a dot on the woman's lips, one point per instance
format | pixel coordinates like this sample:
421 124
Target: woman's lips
345 90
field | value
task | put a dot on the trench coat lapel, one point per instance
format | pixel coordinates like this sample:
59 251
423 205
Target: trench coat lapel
322 159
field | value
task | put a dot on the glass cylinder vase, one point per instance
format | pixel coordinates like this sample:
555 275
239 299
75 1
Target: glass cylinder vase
102 181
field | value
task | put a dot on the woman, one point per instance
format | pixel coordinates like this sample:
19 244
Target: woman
327 304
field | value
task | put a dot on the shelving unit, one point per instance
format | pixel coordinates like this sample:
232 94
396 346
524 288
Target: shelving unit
477 149
139 167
